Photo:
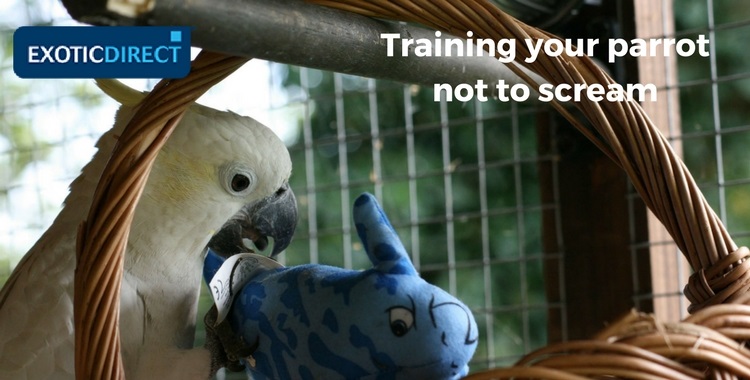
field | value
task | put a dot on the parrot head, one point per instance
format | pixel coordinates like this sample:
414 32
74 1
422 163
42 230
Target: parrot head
218 171
274 217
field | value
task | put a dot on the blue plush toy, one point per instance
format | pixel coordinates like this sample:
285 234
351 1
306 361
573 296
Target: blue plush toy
322 322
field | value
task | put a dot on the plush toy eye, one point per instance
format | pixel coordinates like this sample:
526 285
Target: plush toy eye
237 180
401 320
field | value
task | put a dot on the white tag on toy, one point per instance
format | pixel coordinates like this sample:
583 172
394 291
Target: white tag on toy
233 274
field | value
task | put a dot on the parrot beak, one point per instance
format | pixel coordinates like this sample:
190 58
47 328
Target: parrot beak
273 216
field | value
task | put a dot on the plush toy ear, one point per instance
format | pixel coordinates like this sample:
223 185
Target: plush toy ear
384 248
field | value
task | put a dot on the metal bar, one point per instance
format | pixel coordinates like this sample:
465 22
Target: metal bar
448 184
489 324
312 199
377 143
717 113
303 34
343 171
411 167
521 228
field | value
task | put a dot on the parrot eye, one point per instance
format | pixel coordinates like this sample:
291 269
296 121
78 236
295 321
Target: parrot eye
401 320
237 180
240 182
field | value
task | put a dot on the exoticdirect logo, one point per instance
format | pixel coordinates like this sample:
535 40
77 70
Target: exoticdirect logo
101 52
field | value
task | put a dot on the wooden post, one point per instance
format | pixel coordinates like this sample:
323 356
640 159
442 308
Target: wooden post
669 269
601 274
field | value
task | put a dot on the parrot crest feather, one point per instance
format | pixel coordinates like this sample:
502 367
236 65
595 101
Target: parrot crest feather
120 92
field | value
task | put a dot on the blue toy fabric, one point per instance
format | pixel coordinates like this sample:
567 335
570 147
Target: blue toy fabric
323 322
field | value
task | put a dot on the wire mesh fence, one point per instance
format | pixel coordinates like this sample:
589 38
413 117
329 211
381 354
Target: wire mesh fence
461 182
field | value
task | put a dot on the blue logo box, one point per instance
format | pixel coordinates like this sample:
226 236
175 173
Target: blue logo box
101 52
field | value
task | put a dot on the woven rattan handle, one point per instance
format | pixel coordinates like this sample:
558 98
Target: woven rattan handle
638 346
102 238
621 130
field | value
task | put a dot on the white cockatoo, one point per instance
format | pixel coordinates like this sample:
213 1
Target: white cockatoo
216 166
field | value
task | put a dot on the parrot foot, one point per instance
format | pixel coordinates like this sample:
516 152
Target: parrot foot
226 348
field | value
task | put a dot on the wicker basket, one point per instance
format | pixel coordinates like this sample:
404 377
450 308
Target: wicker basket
708 344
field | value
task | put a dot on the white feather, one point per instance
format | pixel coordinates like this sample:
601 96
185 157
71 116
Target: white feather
182 205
